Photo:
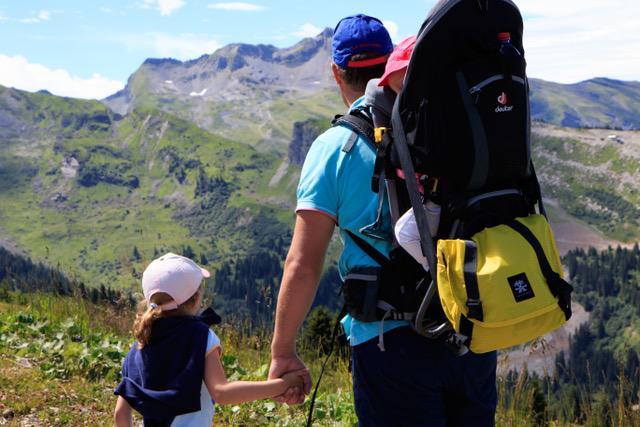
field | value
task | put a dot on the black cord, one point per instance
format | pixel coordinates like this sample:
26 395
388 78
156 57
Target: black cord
324 365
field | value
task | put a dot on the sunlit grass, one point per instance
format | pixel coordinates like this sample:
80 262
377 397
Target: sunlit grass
33 391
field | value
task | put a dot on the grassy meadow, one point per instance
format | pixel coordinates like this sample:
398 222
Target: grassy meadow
60 359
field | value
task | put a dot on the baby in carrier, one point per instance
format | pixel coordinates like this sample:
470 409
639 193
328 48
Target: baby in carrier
391 82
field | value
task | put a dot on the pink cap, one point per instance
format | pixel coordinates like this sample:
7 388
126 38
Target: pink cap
398 59
175 275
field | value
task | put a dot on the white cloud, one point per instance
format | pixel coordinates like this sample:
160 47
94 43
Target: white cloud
575 40
166 7
43 15
392 28
565 8
307 30
182 46
2 16
16 71
106 9
238 6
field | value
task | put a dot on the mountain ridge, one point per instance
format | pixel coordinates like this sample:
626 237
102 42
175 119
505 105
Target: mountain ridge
595 103
244 92
208 89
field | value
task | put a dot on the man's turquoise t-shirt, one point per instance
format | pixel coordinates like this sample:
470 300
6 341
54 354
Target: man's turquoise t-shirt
338 184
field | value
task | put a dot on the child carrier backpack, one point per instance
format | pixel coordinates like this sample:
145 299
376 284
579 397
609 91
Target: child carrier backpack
461 127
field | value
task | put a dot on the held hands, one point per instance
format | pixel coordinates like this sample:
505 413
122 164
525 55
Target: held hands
296 376
295 379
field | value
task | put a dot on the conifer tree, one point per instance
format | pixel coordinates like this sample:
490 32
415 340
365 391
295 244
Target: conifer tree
136 254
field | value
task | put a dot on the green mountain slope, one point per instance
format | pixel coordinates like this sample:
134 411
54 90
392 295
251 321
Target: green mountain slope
100 194
593 176
84 187
600 103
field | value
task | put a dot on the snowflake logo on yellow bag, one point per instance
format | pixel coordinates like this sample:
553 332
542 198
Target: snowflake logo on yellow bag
520 287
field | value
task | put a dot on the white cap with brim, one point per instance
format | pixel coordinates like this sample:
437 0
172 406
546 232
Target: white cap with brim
175 275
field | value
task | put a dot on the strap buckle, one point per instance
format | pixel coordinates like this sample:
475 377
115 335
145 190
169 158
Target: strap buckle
378 133
475 309
434 185
430 183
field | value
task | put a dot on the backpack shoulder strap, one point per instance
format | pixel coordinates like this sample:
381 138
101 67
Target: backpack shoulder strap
360 122
368 249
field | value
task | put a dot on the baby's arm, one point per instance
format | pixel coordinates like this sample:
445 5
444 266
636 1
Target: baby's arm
408 236
122 413
225 392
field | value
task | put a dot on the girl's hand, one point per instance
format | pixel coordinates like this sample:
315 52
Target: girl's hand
295 378
291 363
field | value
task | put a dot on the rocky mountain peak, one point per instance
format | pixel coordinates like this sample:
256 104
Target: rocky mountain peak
161 61
241 77
243 50
305 49
298 54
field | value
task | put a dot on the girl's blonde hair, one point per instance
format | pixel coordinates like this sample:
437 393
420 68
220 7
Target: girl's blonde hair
148 314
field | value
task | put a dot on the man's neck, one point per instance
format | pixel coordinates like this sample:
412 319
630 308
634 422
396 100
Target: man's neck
349 97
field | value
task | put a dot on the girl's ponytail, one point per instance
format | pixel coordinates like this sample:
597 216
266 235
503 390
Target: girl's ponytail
144 323
149 312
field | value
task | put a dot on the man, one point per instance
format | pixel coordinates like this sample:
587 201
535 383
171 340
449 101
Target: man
413 381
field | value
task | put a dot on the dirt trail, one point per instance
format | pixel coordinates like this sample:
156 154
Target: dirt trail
280 172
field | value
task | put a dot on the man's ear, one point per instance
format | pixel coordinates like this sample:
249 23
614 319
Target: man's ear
342 87
336 75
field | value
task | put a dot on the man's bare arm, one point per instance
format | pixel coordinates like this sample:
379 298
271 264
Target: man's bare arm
302 270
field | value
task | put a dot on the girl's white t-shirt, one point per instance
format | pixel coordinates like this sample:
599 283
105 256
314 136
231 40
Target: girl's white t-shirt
204 417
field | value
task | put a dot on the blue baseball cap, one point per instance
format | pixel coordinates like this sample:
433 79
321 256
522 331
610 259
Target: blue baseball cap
358 34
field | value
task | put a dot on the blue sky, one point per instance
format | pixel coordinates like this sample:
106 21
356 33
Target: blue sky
89 48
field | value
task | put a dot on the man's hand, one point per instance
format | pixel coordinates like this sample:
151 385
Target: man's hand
282 365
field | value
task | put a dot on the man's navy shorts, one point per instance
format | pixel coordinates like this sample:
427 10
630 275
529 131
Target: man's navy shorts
420 382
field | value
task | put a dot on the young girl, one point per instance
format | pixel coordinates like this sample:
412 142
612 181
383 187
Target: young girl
173 370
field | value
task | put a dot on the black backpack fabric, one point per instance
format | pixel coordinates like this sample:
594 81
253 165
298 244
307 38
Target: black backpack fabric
464 115
462 125
464 105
